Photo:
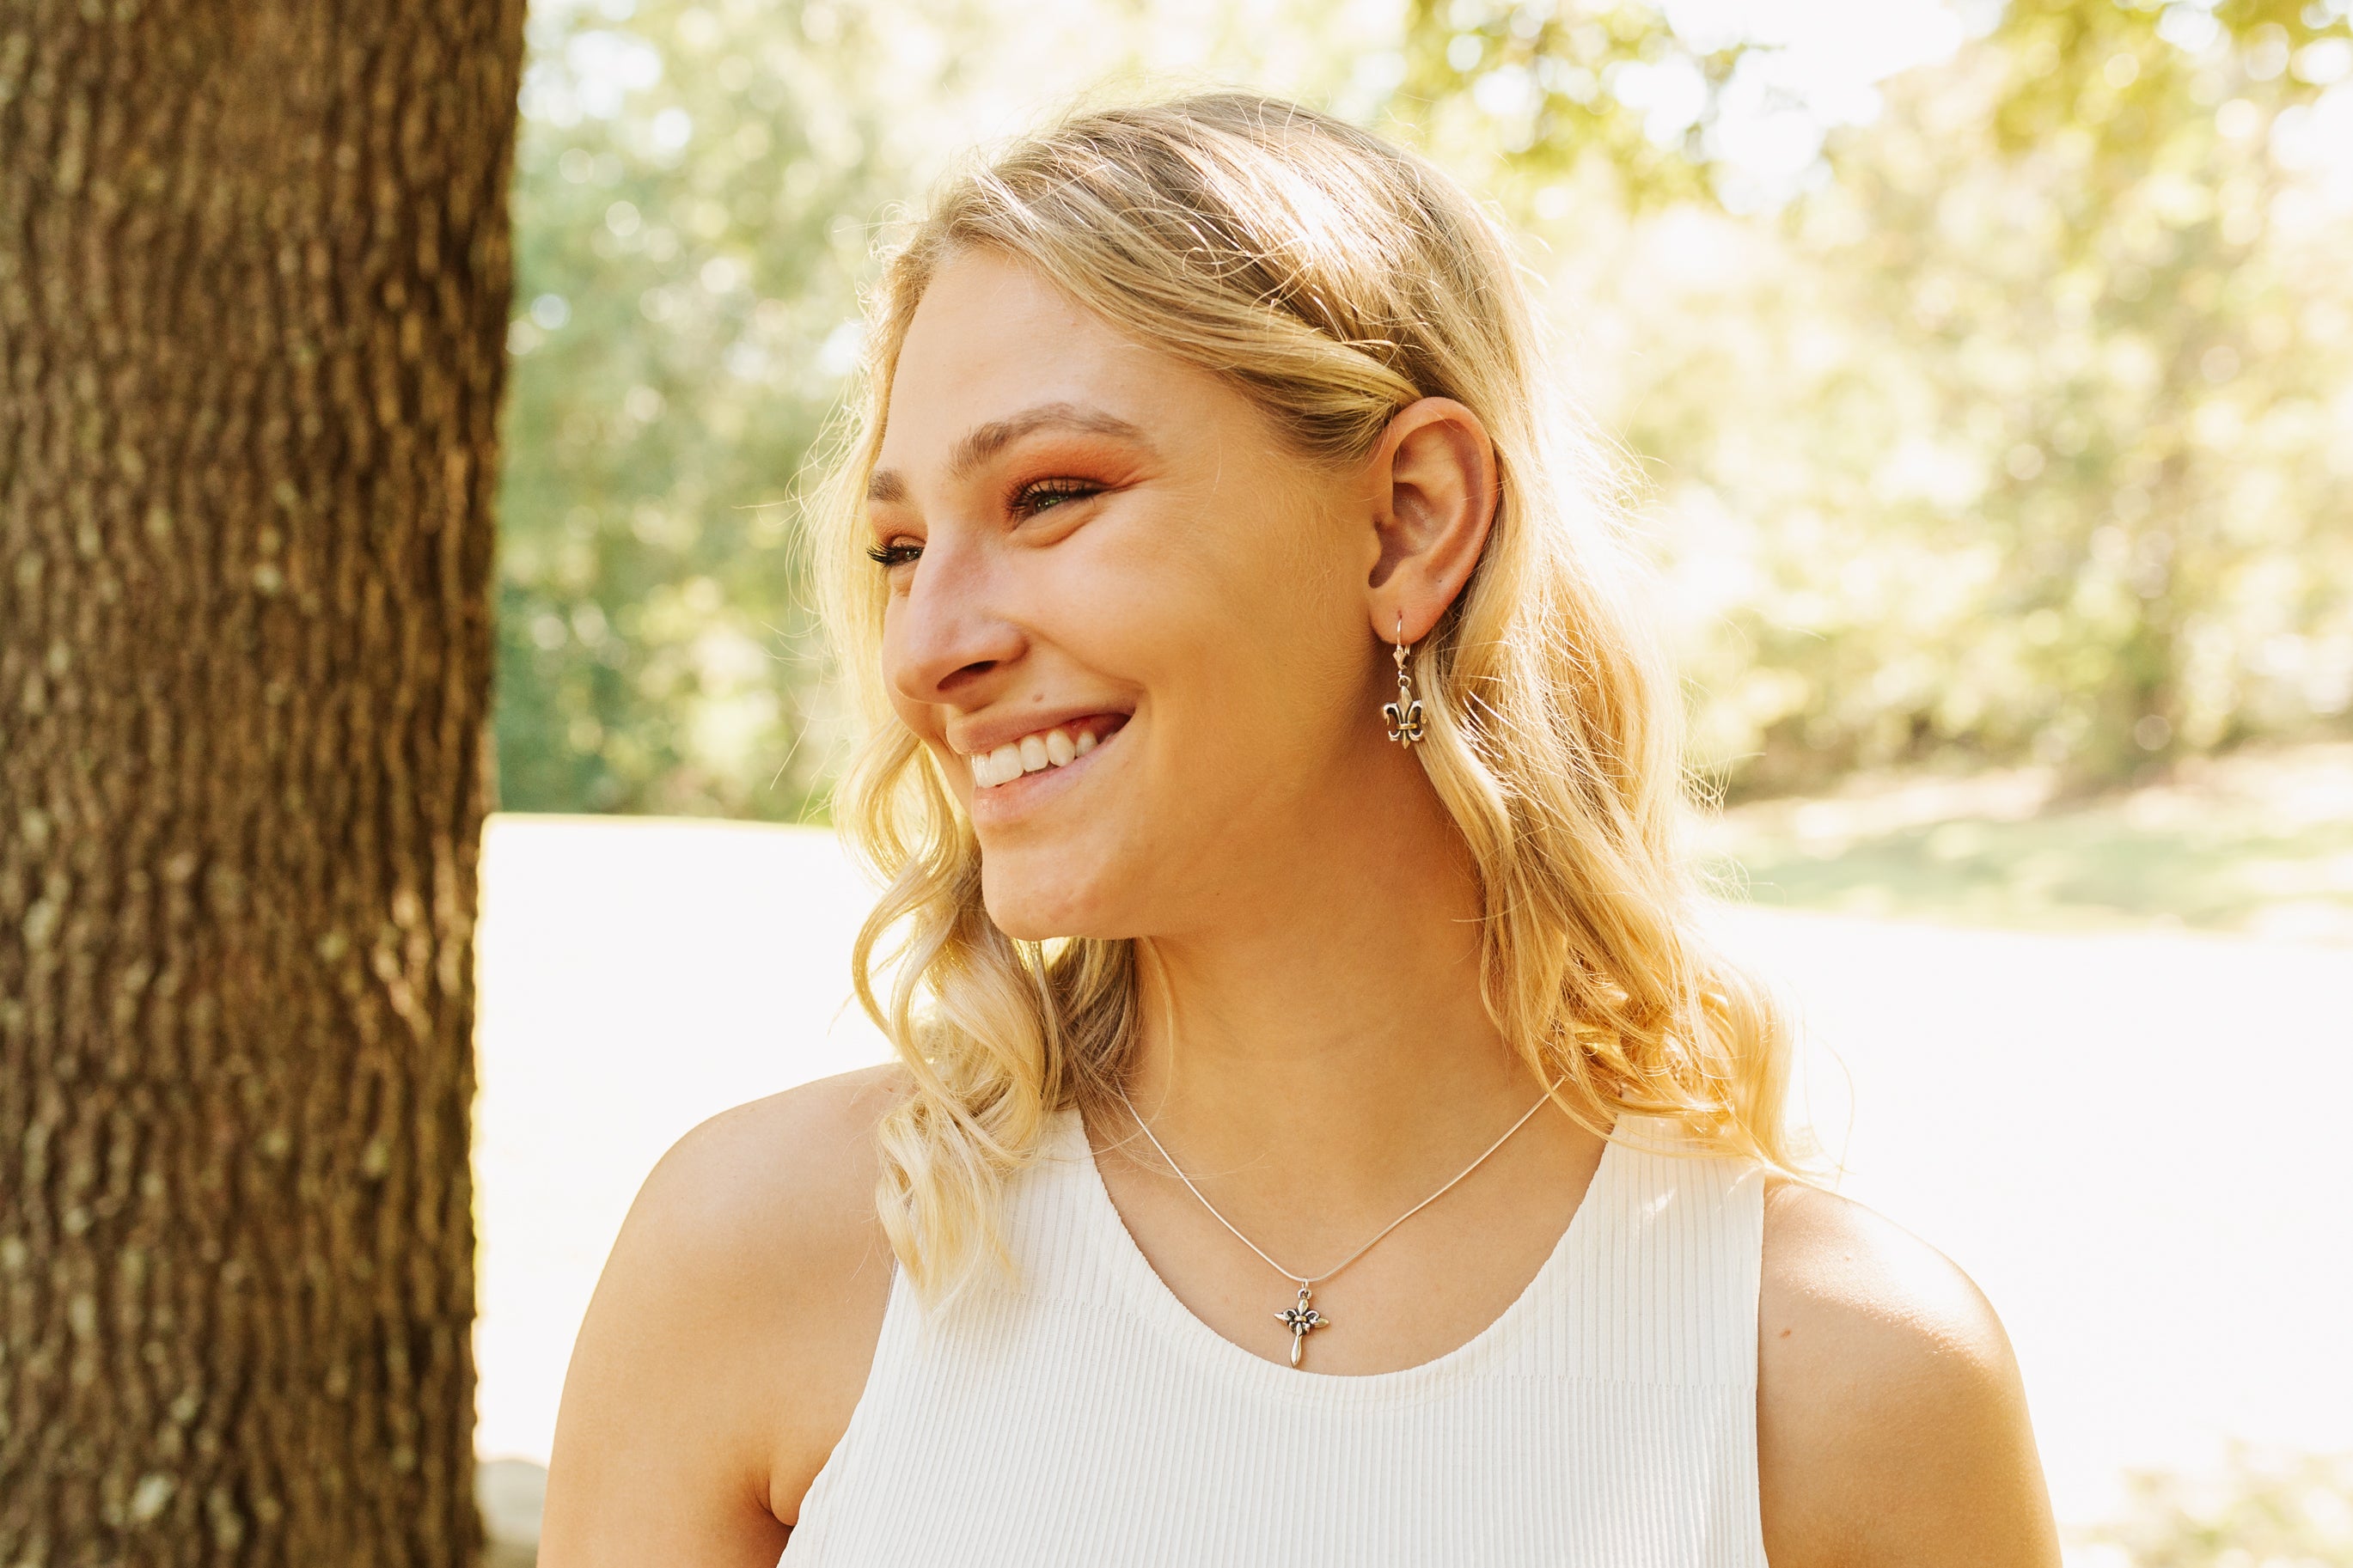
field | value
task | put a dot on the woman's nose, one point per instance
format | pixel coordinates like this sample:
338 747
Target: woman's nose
945 635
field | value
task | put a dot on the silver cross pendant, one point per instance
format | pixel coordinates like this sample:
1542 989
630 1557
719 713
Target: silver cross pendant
1302 1319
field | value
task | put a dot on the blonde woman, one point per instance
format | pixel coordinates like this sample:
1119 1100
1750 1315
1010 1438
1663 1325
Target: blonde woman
1320 1135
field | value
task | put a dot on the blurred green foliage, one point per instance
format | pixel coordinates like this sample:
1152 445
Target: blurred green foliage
693 204
2016 426
2026 434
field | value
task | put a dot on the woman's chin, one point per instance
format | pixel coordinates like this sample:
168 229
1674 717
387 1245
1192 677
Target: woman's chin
1039 902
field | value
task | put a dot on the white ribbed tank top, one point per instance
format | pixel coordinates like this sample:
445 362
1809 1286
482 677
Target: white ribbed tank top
1078 1415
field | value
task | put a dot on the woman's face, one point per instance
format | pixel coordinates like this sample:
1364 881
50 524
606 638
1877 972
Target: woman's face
1131 626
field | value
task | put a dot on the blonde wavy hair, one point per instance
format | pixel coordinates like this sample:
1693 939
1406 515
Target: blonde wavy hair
1331 278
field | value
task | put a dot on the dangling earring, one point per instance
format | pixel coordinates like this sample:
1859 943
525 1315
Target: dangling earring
1404 714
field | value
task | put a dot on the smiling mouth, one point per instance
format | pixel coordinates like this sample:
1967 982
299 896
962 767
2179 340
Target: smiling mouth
1042 750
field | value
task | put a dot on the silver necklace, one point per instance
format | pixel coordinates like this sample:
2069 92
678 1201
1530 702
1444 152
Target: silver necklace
1302 1318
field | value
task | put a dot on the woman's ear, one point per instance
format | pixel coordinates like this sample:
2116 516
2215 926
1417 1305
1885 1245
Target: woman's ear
1433 482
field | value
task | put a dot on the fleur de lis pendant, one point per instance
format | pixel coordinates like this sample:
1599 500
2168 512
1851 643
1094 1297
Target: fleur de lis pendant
1404 714
1304 1320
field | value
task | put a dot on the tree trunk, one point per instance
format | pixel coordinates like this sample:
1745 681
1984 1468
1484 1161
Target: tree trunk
254 280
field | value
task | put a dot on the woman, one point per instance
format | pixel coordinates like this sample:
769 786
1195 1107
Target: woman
1321 1135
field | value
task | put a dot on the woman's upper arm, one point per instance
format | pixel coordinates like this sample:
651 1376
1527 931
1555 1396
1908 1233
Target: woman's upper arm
1892 1422
727 1341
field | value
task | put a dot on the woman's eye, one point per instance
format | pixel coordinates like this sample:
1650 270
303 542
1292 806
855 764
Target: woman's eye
898 552
1037 496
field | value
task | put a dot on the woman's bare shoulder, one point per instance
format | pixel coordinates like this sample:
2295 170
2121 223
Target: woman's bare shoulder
789 1176
729 1337
1892 1422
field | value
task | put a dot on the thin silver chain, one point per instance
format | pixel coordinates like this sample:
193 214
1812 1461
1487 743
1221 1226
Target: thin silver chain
1317 1279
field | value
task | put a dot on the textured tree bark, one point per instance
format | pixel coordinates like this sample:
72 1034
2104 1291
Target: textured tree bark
254 280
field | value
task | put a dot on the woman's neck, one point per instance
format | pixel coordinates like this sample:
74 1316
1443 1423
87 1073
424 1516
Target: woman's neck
1332 1029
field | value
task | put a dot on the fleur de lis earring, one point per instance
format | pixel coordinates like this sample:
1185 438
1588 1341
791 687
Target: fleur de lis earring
1404 714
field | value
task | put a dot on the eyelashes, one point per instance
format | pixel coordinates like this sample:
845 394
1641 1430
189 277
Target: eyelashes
1026 501
1037 494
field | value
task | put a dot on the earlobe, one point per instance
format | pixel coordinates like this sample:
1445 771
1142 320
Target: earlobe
1436 473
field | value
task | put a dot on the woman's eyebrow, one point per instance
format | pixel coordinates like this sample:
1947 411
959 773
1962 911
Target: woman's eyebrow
985 441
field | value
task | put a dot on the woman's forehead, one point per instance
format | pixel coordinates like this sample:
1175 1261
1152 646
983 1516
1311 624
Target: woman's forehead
995 350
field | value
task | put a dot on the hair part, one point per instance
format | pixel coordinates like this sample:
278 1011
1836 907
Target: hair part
1332 278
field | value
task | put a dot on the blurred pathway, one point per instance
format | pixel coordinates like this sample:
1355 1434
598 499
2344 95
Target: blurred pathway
2140 1145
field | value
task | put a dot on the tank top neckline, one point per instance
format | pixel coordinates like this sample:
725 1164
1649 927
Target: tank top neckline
1147 1295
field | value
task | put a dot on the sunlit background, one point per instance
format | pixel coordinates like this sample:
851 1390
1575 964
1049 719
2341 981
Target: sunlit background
1988 370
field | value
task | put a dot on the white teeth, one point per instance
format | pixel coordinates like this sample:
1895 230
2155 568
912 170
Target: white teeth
1045 749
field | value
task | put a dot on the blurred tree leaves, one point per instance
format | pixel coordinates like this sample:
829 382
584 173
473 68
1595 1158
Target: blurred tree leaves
1527 89
1998 406
2014 427
693 200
